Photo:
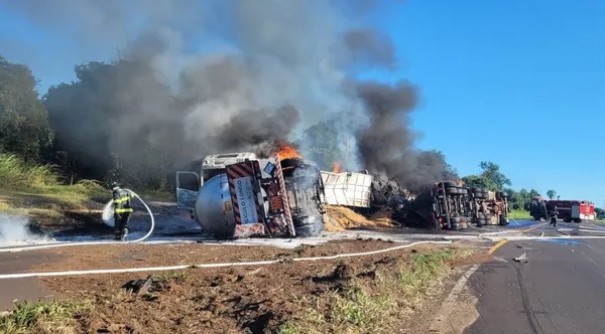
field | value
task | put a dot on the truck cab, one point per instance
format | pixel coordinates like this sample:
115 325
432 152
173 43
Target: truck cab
188 184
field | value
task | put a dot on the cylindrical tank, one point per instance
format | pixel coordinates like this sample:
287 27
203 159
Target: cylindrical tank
213 209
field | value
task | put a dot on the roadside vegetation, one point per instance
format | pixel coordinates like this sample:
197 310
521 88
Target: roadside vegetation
377 294
44 317
376 306
519 214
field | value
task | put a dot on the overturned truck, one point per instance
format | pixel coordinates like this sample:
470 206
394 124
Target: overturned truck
238 195
455 206
447 205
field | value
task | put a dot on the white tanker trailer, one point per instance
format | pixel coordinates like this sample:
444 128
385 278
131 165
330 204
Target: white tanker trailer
239 195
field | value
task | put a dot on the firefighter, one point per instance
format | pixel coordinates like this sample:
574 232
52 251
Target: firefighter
553 216
121 210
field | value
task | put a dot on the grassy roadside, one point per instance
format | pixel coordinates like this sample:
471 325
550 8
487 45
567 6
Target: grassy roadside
519 214
43 317
366 295
377 307
35 191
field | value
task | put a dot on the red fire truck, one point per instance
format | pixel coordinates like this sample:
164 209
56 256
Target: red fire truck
569 210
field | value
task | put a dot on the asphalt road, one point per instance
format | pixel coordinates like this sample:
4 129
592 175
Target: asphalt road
560 289
29 289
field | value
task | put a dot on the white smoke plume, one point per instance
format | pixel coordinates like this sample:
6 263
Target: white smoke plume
14 230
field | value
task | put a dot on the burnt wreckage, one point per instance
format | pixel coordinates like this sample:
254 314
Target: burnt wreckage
239 195
446 205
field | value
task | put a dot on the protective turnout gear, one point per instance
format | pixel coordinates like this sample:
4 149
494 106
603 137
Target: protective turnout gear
553 216
121 211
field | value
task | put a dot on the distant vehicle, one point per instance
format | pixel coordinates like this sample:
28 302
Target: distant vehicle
569 210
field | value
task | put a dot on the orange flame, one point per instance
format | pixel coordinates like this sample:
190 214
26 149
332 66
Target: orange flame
336 167
286 151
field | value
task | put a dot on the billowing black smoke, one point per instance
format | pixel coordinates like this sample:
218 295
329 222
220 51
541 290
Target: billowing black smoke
386 145
201 77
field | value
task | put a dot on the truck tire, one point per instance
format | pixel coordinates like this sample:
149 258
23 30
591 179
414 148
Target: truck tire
480 193
577 220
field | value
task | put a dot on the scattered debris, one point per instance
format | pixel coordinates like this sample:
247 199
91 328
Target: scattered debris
521 259
139 286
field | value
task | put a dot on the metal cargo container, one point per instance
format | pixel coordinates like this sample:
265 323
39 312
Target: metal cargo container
347 188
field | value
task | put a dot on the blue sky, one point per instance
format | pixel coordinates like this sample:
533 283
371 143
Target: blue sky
516 82
520 83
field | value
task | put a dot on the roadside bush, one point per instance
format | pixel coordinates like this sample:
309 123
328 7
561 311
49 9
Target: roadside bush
16 174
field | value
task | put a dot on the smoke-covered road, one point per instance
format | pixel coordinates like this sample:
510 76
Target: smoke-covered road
558 290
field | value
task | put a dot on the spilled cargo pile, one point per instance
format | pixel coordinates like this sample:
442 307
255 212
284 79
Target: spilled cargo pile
339 218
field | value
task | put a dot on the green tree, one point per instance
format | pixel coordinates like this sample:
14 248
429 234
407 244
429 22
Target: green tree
24 126
490 177
477 181
491 172
320 143
551 194
533 193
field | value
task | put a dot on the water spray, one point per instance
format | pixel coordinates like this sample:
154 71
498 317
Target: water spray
89 243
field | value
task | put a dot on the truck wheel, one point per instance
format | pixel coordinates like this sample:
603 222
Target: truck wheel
577 220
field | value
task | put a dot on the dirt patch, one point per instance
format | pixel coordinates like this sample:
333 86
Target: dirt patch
137 255
341 218
277 298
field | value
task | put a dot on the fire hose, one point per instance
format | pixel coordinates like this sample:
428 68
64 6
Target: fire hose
217 265
89 243
152 227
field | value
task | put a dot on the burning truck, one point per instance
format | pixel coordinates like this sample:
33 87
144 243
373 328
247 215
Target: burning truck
239 195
